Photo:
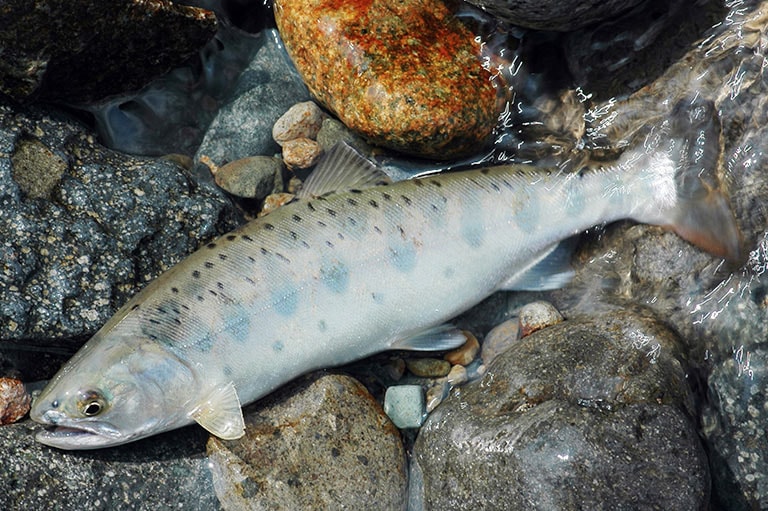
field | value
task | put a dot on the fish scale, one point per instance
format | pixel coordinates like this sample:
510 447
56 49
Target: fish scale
329 279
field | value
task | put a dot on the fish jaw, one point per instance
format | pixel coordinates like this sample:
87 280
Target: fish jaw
64 433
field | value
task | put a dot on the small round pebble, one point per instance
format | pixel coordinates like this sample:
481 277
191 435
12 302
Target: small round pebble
500 339
14 400
301 153
428 367
274 201
537 315
405 405
466 353
253 177
302 120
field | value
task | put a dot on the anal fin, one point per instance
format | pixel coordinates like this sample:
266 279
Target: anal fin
438 338
552 270
219 412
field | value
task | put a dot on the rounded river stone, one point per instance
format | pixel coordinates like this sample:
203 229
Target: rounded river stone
406 75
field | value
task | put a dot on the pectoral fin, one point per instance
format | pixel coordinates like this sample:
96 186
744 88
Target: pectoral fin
439 338
220 413
552 270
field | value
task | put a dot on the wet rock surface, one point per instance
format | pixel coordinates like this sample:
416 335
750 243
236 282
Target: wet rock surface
167 472
575 415
406 76
83 51
322 443
82 228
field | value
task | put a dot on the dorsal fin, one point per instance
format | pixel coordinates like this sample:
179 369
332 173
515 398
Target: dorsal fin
342 169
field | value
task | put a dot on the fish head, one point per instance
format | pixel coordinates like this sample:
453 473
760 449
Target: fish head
114 393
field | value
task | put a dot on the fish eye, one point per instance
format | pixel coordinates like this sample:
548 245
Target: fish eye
91 403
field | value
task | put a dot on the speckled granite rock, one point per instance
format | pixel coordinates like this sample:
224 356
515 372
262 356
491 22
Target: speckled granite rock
94 49
588 414
321 443
555 14
405 75
165 472
83 228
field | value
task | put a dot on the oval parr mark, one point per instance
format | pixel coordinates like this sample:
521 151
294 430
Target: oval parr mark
403 257
286 301
335 276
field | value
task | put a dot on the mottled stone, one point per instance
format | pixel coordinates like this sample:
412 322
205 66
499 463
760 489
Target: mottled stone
104 226
405 75
301 153
500 339
578 415
167 471
555 14
302 120
537 315
274 201
428 367
14 400
321 443
253 177
78 51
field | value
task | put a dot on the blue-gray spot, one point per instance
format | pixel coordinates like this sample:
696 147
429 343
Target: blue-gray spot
228 371
403 256
377 298
278 346
239 327
335 276
286 301
322 326
472 232
449 272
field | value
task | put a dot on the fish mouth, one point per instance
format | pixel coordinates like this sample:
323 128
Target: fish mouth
92 435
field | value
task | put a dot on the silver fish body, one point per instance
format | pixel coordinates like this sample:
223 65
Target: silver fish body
327 280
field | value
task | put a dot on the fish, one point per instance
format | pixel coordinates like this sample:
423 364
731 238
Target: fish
357 265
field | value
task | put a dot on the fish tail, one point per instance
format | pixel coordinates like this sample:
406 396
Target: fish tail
700 211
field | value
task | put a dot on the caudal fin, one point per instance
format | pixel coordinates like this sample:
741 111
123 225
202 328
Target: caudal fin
701 213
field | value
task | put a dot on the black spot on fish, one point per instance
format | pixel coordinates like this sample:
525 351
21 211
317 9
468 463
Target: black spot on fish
184 307
331 212
231 237
154 321
373 203
304 244
220 285
135 307
321 223
434 207
351 201
252 259
208 264
214 293
355 190
376 228
223 257
269 227
435 182
351 221
161 310
418 182
247 238
340 236
310 206
264 251
406 200
177 321
282 257
386 196
485 171
152 337
329 244
200 298
402 231
250 281
176 310
296 218
508 184
196 274
211 245
495 187
293 235
175 290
